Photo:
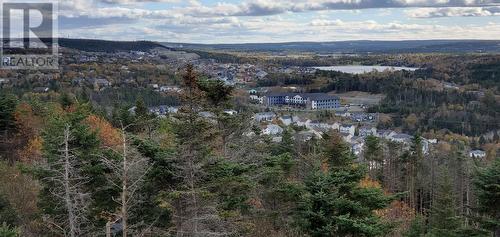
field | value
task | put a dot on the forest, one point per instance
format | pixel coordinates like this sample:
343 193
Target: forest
69 168
466 112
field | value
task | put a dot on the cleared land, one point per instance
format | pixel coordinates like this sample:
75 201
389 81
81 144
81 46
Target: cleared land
358 97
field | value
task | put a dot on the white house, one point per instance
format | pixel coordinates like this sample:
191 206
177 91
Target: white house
266 116
335 126
302 122
367 131
4 81
170 89
286 120
350 129
277 139
272 129
347 137
256 98
41 89
357 148
230 112
477 154
401 138
387 134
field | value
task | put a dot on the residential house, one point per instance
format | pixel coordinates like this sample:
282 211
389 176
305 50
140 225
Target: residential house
272 129
41 89
266 116
4 82
257 99
401 138
367 131
154 86
230 112
343 114
349 129
99 83
357 148
261 74
286 120
162 110
450 86
477 154
386 134
277 139
346 136
170 89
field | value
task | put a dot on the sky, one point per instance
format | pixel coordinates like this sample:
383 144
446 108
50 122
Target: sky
257 21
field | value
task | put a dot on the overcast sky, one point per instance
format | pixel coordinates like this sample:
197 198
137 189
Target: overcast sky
231 21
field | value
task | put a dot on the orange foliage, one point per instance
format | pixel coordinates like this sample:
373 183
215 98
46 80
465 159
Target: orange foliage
32 151
27 122
369 183
400 213
256 202
29 143
109 136
324 166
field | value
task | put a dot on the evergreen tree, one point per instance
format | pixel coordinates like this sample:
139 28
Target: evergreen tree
141 110
373 155
8 215
194 207
7 231
487 184
69 146
7 107
335 204
417 227
443 220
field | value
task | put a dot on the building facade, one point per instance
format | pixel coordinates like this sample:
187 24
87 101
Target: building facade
315 101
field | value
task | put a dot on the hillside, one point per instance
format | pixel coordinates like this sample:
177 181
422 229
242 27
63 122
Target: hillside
107 46
411 46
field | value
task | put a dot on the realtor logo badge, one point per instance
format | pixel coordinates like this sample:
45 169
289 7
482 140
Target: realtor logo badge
29 39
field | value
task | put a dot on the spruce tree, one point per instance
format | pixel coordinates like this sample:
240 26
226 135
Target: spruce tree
487 184
194 206
443 220
335 204
72 176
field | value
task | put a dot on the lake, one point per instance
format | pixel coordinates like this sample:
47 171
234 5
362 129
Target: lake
360 69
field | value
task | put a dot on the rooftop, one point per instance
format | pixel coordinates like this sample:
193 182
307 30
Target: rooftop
312 96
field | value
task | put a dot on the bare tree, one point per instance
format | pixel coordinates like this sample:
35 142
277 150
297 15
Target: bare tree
127 174
69 189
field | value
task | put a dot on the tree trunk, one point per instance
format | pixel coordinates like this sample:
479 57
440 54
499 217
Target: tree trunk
124 185
66 183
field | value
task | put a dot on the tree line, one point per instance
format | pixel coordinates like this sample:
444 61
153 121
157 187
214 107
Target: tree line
69 169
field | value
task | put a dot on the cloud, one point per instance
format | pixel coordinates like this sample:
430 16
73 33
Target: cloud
232 30
137 1
263 7
271 7
270 21
453 12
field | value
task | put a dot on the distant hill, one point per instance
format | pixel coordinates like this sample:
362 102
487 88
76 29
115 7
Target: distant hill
363 46
108 46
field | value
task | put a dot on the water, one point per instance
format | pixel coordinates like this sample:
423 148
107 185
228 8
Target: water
360 69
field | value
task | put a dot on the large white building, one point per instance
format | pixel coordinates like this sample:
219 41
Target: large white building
316 101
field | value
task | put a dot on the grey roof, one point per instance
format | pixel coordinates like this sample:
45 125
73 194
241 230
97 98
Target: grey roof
312 96
402 136
478 152
265 114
